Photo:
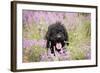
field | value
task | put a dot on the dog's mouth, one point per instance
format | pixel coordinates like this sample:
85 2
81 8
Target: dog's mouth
58 46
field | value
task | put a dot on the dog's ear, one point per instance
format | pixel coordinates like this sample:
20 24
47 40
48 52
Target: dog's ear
47 37
66 37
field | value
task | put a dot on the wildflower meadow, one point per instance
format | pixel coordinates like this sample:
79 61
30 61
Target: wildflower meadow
35 26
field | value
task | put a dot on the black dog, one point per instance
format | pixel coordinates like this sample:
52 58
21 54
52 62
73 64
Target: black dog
56 34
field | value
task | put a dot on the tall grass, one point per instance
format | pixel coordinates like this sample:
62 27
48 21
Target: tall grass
35 26
79 40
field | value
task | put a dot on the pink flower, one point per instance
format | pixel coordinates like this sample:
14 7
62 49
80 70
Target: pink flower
29 43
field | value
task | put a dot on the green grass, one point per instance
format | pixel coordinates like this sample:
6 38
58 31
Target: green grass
79 41
77 38
35 53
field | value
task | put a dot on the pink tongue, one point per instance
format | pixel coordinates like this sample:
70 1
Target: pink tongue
58 45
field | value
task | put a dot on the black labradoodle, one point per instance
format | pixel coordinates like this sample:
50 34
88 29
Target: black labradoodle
56 37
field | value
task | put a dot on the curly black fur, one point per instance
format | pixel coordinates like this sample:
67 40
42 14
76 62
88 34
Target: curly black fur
56 34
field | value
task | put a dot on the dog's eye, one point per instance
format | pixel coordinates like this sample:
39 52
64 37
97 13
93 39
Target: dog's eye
59 30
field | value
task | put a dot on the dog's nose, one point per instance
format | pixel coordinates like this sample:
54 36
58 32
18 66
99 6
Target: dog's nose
58 36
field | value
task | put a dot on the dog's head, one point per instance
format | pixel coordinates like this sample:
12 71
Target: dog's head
56 34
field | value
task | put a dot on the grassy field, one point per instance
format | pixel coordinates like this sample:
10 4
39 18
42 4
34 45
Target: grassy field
35 26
